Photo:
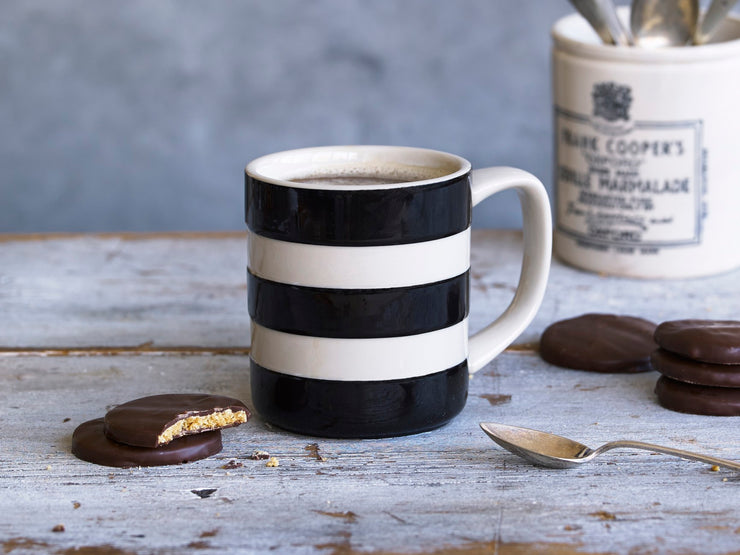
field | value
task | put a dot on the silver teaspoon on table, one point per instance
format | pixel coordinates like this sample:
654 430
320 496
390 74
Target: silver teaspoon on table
602 15
662 23
714 15
555 451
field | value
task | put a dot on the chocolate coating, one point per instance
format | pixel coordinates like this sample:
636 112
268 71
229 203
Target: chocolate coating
713 341
90 444
141 422
691 371
698 399
600 343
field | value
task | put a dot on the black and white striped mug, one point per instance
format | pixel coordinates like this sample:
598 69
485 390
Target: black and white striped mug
358 286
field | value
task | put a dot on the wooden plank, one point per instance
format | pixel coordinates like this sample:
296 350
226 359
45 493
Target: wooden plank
124 290
166 291
448 488
173 311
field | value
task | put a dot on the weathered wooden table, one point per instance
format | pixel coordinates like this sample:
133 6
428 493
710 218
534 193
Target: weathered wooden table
92 321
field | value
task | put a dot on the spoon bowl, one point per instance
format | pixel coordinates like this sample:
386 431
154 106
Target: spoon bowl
663 23
553 451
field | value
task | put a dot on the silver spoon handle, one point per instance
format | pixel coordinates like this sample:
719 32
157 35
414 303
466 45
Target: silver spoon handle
717 11
666 451
604 20
619 32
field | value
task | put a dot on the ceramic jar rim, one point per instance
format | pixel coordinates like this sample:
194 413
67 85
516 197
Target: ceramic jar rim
573 35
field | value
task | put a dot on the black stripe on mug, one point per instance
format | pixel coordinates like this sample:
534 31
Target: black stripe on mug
358 217
364 409
358 313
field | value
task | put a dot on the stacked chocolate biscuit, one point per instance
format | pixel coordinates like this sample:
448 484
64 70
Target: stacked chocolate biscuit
158 430
700 365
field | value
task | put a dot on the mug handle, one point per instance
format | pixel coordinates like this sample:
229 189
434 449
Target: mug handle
484 345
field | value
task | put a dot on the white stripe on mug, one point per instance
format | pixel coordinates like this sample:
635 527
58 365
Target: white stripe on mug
387 358
359 267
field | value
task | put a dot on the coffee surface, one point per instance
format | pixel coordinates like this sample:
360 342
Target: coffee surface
713 341
349 180
90 444
600 343
370 173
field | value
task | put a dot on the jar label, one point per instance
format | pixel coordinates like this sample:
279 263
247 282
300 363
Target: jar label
628 184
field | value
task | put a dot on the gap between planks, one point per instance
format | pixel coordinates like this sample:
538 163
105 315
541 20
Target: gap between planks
121 235
144 349
152 350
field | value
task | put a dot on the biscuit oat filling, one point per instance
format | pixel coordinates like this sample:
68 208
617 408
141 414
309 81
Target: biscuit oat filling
202 423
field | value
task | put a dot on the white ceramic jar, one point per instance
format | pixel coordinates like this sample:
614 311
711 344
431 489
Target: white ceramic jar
647 154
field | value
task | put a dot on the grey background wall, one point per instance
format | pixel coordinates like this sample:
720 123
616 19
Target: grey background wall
140 115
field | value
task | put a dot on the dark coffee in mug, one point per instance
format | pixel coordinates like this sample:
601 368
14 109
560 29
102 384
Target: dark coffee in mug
369 175
346 180
358 287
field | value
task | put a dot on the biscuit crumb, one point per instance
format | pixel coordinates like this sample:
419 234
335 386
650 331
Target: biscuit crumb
313 449
260 456
714 468
58 528
231 465
273 462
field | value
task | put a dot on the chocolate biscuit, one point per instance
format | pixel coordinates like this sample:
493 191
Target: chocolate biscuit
156 420
600 343
712 341
690 371
698 399
90 444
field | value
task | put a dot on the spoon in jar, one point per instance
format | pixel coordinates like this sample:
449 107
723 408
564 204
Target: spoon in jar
554 451
662 23
602 15
716 13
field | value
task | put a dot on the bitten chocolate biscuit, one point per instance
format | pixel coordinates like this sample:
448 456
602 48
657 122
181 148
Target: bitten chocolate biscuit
698 399
156 420
600 343
712 341
90 444
691 371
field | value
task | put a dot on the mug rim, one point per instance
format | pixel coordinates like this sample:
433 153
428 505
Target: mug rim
567 36
344 153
